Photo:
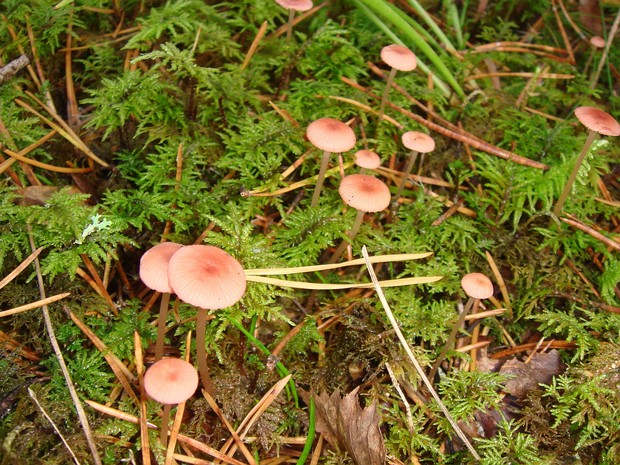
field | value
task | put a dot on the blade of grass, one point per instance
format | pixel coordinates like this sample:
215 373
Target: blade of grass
387 10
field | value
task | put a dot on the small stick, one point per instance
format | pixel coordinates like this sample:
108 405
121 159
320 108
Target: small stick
13 67
61 361
21 267
592 232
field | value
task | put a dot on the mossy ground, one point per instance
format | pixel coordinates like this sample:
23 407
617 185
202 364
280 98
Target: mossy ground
159 120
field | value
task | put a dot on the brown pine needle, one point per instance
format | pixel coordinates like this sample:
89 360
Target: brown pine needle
21 267
520 74
254 46
500 281
122 373
145 447
32 305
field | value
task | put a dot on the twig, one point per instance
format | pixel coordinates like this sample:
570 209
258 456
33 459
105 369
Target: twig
63 367
13 274
592 232
417 366
13 67
30 306
453 134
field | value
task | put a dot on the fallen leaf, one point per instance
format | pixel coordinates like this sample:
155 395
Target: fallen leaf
344 423
541 369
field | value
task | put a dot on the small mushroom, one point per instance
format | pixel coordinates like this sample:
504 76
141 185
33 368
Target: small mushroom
598 122
416 142
170 381
367 160
477 286
208 278
293 6
398 58
154 274
366 194
331 136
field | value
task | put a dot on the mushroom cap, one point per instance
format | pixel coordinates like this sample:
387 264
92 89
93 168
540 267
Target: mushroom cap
154 266
477 286
418 141
171 380
367 159
297 5
207 277
399 57
364 193
331 135
597 41
598 121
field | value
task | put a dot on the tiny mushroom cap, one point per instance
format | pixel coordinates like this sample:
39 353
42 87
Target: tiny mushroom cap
418 141
399 57
597 41
154 266
364 193
171 381
207 277
297 5
367 159
477 286
598 121
331 135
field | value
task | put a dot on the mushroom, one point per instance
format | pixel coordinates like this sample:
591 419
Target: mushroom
366 194
154 274
477 286
292 6
598 122
417 142
170 381
367 160
399 58
331 136
210 279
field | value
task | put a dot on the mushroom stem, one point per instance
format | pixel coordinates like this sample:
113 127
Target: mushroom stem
406 173
452 337
386 92
161 325
320 179
165 419
201 352
289 26
354 230
571 179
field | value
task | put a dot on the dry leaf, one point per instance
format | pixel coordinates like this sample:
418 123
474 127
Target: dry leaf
345 424
527 376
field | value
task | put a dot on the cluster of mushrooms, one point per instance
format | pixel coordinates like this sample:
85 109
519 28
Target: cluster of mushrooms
210 279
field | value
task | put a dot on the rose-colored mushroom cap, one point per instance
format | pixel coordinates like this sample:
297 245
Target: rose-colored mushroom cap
154 266
171 381
597 41
331 135
477 285
205 276
399 57
598 121
367 159
364 193
418 141
297 5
